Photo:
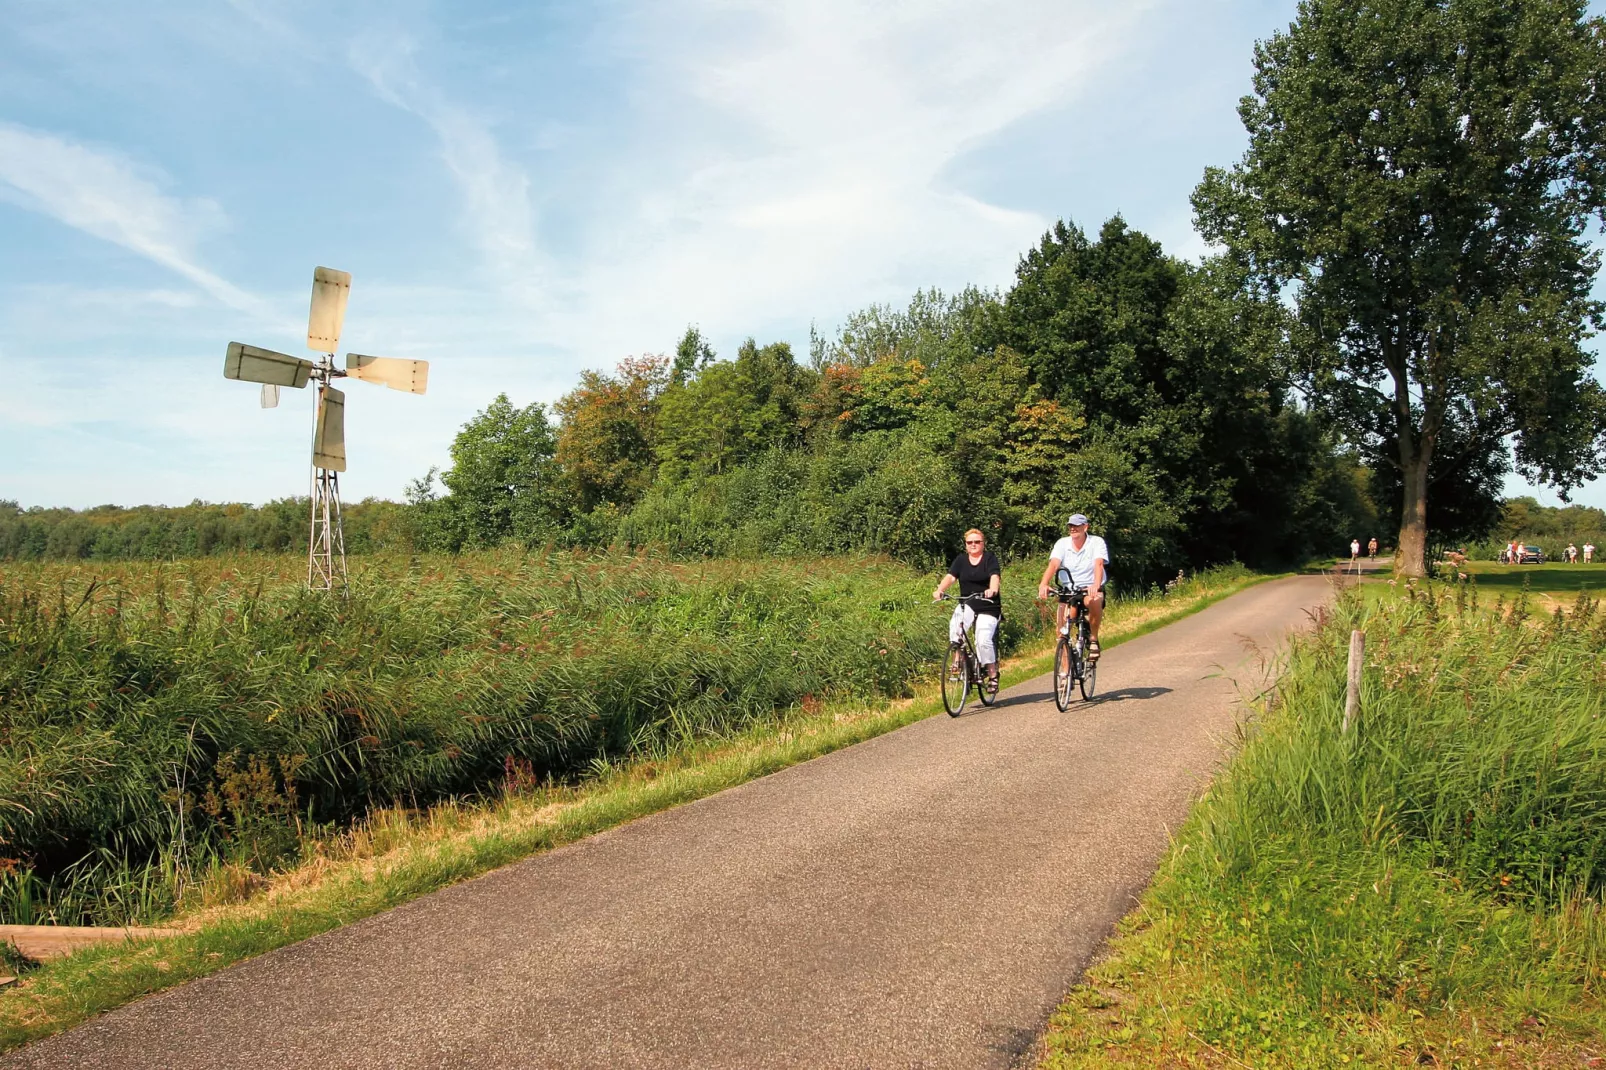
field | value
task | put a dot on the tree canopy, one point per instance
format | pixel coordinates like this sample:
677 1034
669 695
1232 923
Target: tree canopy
1418 181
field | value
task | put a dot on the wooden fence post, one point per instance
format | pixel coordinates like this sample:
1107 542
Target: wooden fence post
1352 694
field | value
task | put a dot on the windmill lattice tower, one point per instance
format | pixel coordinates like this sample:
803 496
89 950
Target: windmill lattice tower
326 547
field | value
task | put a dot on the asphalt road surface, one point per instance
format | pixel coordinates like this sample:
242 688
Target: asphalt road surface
920 900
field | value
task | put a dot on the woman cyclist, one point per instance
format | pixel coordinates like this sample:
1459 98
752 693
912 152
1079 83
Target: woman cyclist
978 573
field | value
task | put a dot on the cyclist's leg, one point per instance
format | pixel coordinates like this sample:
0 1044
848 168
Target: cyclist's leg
1095 610
986 649
1095 615
956 623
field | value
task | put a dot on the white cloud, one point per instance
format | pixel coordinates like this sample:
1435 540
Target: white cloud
101 193
783 162
496 193
799 170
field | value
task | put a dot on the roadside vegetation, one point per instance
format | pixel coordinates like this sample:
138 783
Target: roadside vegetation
254 873
1424 890
163 723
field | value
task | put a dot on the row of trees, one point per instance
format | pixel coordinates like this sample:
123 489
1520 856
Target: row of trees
153 532
1111 379
1405 243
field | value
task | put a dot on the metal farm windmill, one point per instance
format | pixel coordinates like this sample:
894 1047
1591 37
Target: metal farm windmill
326 549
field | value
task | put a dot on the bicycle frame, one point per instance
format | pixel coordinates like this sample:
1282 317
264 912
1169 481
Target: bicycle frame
1077 668
974 677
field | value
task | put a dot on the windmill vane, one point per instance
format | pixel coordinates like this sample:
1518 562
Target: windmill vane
326 549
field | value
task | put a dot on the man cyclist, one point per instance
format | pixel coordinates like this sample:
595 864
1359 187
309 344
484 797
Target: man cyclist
1087 560
978 573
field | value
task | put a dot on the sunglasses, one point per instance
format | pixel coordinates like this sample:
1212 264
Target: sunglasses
972 542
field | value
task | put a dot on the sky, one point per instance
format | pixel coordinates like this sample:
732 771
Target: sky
523 191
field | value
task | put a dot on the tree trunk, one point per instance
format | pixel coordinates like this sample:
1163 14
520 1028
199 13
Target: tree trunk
1411 557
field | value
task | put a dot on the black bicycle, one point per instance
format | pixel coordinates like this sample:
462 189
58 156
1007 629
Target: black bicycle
1071 662
961 671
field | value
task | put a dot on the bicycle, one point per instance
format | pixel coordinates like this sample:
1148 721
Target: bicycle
961 671
1071 663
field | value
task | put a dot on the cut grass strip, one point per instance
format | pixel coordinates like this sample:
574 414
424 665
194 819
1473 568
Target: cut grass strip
396 856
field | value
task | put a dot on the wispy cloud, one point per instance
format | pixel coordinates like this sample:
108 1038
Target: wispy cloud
781 161
802 151
495 191
104 194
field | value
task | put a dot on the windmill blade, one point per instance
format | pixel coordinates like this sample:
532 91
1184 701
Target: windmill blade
265 366
411 376
270 396
329 440
330 288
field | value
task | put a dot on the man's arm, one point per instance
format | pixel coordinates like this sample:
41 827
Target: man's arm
1042 585
995 582
947 581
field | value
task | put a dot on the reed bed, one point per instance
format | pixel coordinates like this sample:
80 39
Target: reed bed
1425 889
162 723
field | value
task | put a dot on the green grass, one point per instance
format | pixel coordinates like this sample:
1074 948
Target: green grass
399 852
158 723
1547 578
1425 890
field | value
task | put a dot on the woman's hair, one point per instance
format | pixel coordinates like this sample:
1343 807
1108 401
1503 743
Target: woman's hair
976 532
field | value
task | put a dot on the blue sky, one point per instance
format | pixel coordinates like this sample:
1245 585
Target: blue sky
523 191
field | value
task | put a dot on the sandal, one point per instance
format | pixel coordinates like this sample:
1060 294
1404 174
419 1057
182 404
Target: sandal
1092 650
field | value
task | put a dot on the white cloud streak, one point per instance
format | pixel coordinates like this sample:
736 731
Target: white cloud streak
786 161
103 194
496 193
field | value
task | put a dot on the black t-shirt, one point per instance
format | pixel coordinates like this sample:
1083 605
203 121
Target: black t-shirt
973 579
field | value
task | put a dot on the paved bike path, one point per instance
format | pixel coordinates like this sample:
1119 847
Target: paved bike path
923 899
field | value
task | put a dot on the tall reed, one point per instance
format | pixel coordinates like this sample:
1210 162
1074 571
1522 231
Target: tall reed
1481 739
156 720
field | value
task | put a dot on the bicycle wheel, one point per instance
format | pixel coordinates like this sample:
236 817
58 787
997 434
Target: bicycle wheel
955 680
1088 679
987 695
1064 673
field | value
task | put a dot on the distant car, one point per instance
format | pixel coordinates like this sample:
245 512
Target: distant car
1531 555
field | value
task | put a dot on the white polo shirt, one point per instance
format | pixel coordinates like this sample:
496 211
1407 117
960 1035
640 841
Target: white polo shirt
1080 562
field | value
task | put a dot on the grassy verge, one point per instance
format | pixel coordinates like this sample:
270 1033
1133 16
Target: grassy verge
396 854
1425 890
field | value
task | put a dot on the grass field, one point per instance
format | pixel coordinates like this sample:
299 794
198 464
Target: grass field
1553 579
332 875
163 724
1424 890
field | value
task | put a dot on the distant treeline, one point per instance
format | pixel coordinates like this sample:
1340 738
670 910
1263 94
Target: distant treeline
1549 527
1111 379
157 533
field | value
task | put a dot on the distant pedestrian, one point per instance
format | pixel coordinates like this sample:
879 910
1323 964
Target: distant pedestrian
1570 555
1371 548
1355 553
1589 552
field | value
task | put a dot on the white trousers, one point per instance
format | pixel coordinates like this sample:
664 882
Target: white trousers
986 628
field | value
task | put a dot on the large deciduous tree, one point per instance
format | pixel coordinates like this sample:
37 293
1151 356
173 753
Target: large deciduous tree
608 432
1418 181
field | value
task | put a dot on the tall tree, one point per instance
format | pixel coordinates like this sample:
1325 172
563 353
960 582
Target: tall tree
1418 180
502 480
609 429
